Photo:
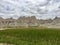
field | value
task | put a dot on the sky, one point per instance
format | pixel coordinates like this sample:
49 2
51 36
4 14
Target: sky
43 9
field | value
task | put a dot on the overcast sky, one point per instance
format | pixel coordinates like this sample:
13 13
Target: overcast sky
39 8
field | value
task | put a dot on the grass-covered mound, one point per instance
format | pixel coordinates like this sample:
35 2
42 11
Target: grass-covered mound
30 36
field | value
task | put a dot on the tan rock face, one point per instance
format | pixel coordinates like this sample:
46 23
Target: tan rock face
27 21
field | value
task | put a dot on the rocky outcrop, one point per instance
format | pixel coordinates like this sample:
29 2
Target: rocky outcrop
28 21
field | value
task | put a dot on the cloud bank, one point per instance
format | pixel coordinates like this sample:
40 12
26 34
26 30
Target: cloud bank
38 8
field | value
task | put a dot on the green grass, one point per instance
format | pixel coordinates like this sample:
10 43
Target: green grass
30 36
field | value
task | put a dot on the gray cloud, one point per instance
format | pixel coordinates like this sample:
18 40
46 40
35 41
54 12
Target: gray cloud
40 8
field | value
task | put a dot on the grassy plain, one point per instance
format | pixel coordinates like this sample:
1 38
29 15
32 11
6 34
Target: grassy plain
30 36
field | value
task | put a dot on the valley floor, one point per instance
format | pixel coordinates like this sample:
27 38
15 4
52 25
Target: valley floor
30 36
